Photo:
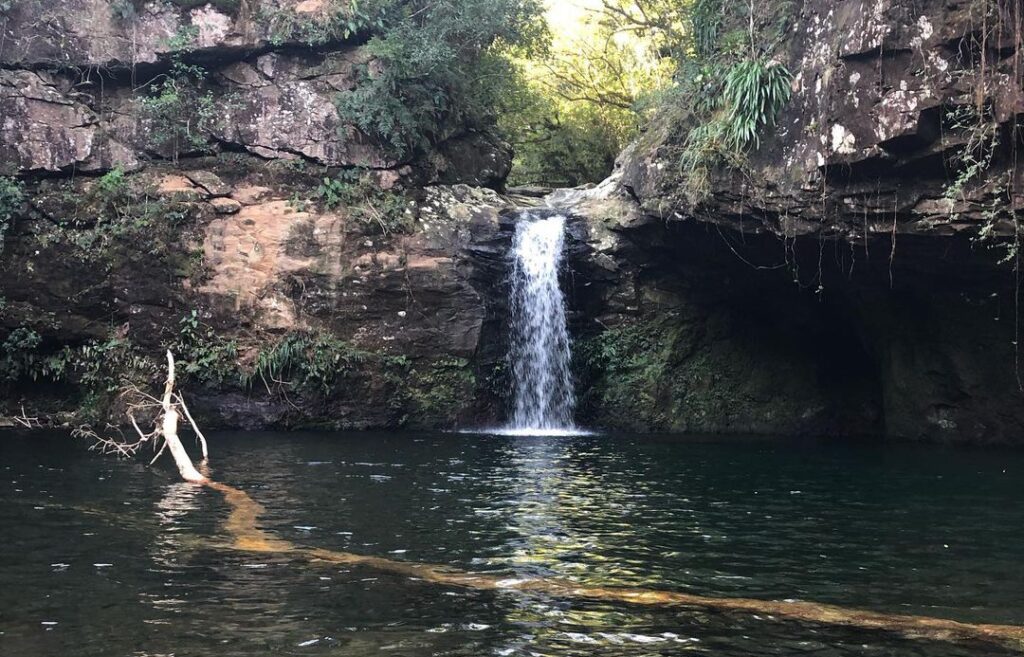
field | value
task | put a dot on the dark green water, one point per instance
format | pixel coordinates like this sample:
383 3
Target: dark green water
106 557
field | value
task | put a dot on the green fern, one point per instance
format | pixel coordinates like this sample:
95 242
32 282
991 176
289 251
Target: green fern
12 197
305 361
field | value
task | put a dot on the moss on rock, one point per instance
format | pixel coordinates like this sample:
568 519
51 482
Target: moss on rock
440 392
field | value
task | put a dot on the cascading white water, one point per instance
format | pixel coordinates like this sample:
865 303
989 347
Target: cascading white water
544 396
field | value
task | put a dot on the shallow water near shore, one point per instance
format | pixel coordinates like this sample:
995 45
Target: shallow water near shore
107 557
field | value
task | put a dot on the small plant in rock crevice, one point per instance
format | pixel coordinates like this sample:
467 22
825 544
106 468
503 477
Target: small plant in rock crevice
980 137
337 21
755 91
177 115
12 197
304 361
752 94
441 387
733 90
202 353
111 215
97 368
124 10
18 355
377 210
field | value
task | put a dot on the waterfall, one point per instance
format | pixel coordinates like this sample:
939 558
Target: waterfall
539 354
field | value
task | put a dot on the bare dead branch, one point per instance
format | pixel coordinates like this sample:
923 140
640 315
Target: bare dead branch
26 421
164 414
195 427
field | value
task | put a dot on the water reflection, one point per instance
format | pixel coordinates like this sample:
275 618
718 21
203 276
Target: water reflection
168 550
858 527
567 518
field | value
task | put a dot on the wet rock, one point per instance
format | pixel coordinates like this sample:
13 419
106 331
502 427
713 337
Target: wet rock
868 144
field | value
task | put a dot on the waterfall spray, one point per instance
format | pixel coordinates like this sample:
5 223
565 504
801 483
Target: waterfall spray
544 396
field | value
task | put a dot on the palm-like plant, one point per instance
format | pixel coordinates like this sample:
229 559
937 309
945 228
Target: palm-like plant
755 91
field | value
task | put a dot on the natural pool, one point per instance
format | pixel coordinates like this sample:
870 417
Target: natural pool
107 557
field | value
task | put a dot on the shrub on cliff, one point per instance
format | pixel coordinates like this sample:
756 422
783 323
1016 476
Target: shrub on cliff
379 211
437 67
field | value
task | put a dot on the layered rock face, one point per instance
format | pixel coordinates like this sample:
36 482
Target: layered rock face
850 279
90 85
857 275
893 103
409 324
214 126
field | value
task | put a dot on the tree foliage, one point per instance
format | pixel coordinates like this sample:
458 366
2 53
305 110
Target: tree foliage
618 61
561 143
582 100
436 65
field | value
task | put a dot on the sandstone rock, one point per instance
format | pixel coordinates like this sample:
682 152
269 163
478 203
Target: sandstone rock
42 128
102 34
424 303
262 89
180 188
249 194
225 205
210 182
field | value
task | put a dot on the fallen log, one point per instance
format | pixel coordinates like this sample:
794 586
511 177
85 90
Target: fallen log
242 525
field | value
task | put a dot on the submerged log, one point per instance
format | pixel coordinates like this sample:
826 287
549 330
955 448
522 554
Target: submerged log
242 525
248 537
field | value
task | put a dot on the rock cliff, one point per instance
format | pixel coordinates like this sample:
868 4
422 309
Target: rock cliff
858 273
187 181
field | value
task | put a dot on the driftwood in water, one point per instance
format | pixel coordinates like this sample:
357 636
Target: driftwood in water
247 536
245 512
163 435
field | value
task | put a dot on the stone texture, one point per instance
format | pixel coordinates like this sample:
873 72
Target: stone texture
43 127
225 205
282 106
833 289
866 144
133 33
716 331
836 285
219 213
76 77
257 266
